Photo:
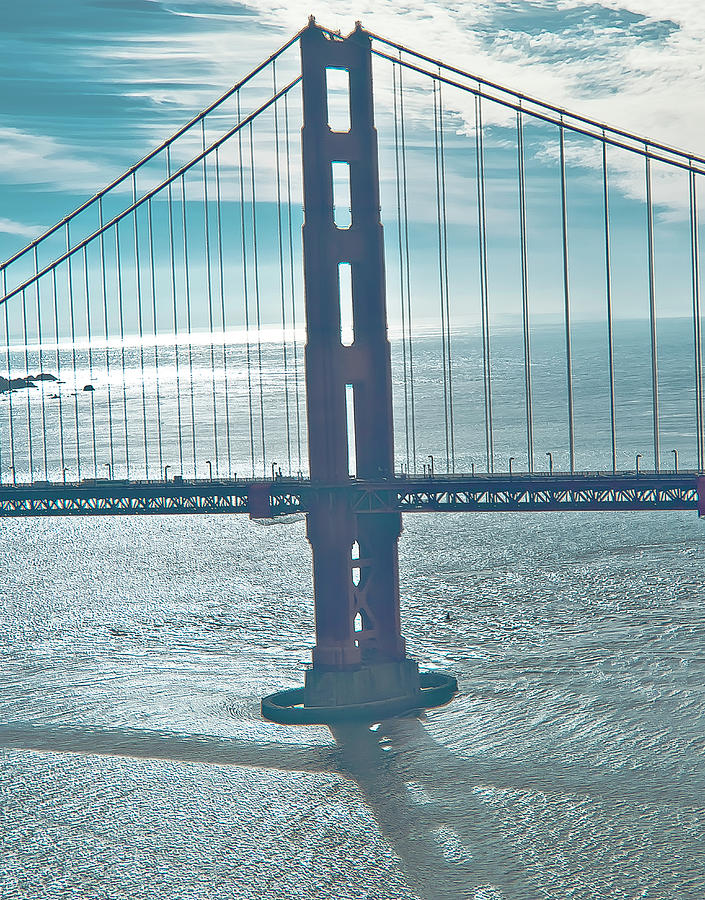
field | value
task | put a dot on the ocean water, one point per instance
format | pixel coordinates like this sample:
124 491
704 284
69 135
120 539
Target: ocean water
134 652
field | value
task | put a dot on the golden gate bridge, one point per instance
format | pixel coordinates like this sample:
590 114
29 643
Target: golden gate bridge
160 356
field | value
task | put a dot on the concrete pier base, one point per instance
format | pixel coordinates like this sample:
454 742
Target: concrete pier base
367 694
369 683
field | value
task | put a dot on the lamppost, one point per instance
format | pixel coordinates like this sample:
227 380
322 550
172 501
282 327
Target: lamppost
110 470
166 469
638 457
64 471
430 466
472 466
274 466
675 460
511 460
210 470
550 462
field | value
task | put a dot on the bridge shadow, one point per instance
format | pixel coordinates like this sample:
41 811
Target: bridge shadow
429 801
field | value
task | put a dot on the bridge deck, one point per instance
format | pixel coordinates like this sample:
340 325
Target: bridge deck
284 496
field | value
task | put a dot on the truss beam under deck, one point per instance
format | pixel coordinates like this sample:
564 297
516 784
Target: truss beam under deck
282 497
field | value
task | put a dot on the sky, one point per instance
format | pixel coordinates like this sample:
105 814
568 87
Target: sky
89 86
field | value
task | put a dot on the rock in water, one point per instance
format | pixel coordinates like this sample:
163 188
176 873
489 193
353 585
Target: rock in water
89 387
16 384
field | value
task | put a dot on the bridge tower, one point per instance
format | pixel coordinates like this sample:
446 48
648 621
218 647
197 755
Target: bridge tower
360 654
359 662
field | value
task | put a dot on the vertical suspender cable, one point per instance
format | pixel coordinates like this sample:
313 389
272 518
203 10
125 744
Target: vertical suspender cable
58 370
280 236
525 294
2 451
153 285
11 425
26 366
290 245
175 311
187 288
608 288
407 266
209 286
121 310
89 335
484 292
140 322
41 367
697 322
446 279
246 293
104 284
72 316
255 259
652 312
566 301
441 280
402 292
221 281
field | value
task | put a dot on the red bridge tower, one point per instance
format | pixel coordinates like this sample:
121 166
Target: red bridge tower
359 661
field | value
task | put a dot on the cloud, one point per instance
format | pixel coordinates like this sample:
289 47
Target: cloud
36 159
626 62
19 229
616 61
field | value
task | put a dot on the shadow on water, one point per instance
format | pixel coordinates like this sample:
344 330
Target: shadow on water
431 806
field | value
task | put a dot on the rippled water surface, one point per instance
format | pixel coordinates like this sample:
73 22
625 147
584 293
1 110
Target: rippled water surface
134 761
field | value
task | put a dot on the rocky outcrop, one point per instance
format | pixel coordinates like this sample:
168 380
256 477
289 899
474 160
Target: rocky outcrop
17 384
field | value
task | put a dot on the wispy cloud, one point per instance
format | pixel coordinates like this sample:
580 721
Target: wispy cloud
19 229
38 159
632 63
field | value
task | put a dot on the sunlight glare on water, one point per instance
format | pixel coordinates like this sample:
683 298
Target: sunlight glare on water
135 763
